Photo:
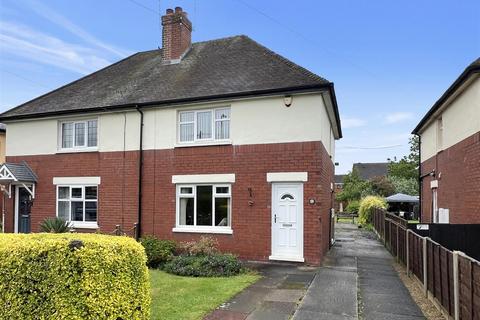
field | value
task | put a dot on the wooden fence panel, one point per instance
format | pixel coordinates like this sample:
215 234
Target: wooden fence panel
446 276
430 267
465 288
476 290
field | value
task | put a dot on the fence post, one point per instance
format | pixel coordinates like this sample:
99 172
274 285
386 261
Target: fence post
425 284
408 253
398 257
456 287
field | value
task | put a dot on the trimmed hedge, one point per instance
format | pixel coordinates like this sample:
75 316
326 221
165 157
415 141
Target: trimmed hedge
215 265
72 276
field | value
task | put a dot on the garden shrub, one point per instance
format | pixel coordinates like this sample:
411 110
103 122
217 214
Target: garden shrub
215 265
367 205
205 246
72 276
55 225
353 206
158 251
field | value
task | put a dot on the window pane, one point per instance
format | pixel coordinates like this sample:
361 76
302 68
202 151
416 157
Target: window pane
67 135
90 192
77 210
222 129
204 125
92 133
64 210
186 211
77 193
186 190
90 211
80 134
187 116
221 114
186 132
63 192
220 190
222 206
204 205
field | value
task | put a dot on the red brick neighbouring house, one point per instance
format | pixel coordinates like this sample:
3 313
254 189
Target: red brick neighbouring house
450 153
222 138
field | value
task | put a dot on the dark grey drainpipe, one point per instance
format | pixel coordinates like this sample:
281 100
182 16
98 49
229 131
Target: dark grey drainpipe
138 228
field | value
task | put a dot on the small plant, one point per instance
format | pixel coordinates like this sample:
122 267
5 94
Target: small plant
55 225
215 265
202 247
158 251
367 205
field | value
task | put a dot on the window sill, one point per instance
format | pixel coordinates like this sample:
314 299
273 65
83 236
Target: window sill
203 144
77 150
84 225
218 230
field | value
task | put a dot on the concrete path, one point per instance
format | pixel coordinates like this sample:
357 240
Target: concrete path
357 281
275 296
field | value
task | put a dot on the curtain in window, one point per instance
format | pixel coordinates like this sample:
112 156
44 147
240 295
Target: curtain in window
204 125
222 124
67 135
186 126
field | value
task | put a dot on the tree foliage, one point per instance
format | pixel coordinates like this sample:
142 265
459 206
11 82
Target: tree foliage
354 188
404 185
404 173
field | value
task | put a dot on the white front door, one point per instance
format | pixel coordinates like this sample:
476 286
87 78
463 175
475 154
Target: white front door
287 222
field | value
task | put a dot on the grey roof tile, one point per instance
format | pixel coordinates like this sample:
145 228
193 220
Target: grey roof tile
22 171
367 171
232 65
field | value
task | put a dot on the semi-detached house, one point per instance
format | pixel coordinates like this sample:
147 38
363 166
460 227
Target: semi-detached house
223 138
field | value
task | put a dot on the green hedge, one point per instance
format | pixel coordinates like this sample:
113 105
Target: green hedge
72 276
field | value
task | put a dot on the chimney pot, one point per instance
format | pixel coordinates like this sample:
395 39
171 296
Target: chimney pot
178 9
169 11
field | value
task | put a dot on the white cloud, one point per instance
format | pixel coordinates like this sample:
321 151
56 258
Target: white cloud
68 25
397 117
18 40
352 122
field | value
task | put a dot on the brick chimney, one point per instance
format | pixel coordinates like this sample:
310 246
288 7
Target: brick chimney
176 35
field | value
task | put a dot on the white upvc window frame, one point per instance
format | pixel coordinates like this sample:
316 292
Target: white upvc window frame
203 229
75 147
197 140
77 224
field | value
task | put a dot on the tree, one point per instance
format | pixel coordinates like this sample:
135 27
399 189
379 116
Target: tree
407 167
405 185
382 186
354 188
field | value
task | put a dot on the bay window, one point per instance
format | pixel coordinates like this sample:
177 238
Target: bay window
78 204
204 207
204 125
77 135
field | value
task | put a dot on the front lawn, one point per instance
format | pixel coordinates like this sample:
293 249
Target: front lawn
175 297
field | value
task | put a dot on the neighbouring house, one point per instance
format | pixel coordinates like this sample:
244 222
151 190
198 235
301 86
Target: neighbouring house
368 171
450 153
339 205
3 140
223 138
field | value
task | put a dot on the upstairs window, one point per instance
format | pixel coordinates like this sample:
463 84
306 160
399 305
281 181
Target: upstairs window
78 134
204 125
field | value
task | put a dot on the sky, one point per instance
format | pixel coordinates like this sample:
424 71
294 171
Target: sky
389 60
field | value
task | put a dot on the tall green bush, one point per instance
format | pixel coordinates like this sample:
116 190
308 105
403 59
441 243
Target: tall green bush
72 276
367 206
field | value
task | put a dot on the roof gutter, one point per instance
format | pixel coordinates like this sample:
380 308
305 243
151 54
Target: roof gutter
138 227
165 103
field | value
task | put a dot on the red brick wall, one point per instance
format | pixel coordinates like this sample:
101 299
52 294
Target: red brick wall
251 225
458 173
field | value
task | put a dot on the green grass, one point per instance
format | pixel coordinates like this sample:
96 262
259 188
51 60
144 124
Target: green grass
413 221
175 297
